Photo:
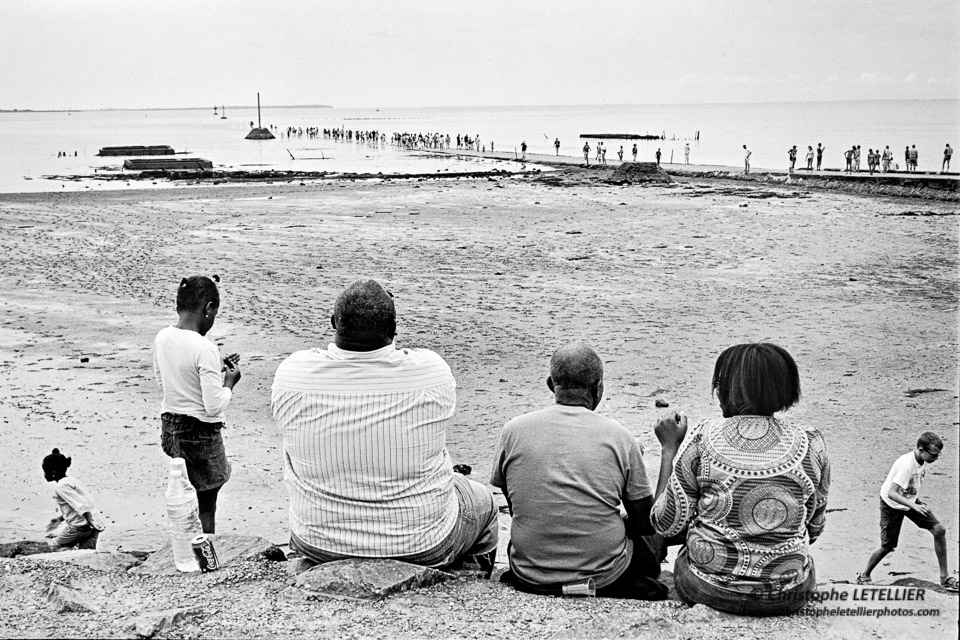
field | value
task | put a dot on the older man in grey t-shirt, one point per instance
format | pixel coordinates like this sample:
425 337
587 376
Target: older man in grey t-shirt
565 472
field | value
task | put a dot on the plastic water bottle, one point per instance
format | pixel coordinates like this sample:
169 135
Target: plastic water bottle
184 516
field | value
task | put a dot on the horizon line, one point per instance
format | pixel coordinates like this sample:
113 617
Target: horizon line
501 106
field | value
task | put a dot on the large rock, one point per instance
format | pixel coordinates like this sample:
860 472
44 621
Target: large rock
148 624
24 548
367 579
229 548
101 561
639 172
66 599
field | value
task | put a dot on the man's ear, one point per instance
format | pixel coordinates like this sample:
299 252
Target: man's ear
210 307
550 384
333 321
598 392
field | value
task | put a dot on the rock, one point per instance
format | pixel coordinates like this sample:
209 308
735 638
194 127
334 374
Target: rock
150 623
703 613
229 548
297 565
67 599
642 624
24 548
367 579
101 561
661 403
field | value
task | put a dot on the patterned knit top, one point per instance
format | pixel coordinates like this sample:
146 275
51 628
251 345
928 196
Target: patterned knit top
752 493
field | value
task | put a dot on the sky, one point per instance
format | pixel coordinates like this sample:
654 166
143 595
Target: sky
92 54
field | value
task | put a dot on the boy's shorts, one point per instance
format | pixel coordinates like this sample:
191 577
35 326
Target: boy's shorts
891 520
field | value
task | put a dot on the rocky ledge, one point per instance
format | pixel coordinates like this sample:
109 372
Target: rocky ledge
259 593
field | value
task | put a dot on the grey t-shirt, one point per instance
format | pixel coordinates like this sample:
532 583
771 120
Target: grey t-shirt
566 470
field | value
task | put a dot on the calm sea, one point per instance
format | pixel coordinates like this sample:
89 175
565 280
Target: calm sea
31 141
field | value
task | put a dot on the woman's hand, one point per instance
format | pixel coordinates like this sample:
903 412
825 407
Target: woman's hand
671 430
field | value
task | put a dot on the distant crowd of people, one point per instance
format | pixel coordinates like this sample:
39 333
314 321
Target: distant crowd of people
877 161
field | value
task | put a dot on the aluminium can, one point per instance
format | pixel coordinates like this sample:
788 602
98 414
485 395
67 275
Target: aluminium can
205 553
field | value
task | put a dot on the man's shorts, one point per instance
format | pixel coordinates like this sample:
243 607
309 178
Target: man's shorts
200 445
891 520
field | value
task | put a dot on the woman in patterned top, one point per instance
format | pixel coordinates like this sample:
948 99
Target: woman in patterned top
748 492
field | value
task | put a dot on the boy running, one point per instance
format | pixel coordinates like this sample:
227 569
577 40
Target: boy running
898 499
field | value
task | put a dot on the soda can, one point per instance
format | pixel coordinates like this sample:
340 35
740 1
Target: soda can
206 554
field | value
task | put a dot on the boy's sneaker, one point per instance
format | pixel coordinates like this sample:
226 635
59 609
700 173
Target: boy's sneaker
864 579
949 583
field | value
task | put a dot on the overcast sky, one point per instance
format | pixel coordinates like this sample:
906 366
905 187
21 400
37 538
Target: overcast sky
85 54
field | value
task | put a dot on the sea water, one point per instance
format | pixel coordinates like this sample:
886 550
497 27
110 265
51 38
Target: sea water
716 133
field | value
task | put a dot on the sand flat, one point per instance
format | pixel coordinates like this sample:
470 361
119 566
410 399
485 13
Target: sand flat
493 275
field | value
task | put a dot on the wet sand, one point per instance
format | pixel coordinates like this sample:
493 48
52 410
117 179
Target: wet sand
493 274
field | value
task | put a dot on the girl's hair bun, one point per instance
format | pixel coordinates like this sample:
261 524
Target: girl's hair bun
56 452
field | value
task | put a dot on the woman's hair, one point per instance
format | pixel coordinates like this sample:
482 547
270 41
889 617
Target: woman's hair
756 379
195 292
56 464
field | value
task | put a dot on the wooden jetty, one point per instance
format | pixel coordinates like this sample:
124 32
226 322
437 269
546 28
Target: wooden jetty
138 150
167 164
621 136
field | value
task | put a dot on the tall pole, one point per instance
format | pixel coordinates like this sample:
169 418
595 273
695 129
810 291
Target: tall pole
259 124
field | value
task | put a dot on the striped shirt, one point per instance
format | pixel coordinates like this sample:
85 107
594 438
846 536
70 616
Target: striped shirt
364 441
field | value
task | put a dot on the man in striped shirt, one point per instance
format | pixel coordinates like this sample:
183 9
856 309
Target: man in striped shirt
364 440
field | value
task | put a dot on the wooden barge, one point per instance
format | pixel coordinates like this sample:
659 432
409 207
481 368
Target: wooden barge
155 150
167 164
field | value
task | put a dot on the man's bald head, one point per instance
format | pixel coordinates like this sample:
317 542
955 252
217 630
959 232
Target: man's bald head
364 313
575 366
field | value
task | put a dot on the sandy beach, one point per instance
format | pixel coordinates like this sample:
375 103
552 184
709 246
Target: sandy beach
493 274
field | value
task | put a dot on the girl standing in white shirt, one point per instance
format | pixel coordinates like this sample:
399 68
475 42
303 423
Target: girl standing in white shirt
197 387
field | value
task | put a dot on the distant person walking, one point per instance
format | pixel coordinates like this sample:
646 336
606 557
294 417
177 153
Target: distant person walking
913 157
603 155
658 157
856 158
906 158
634 151
586 152
792 155
746 159
556 145
620 153
809 158
523 150
819 155
947 154
686 153
848 156
886 158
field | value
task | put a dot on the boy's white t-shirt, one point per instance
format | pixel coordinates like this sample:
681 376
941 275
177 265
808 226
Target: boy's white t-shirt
189 370
908 473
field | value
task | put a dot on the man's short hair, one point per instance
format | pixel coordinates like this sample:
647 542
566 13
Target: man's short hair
756 379
575 366
929 439
365 308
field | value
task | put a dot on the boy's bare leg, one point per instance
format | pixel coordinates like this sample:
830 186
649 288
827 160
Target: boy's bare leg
879 555
940 547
